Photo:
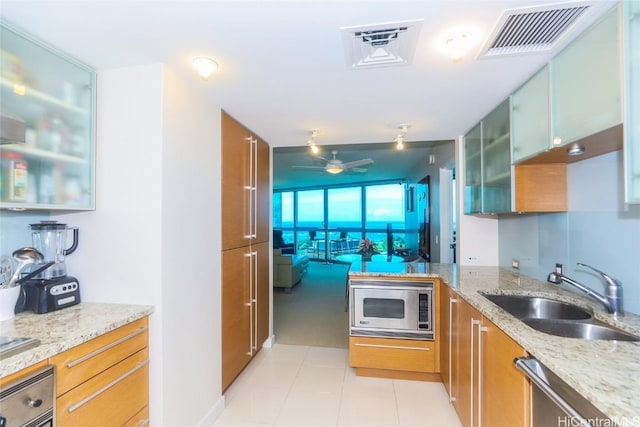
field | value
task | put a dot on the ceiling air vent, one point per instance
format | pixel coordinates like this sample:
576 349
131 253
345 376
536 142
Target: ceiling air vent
532 30
378 45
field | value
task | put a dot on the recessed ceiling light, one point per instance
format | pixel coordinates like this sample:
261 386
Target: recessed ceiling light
457 45
205 66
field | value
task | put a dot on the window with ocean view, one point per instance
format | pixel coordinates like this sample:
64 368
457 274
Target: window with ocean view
328 222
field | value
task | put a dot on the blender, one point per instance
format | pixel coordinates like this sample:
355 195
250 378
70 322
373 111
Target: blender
51 288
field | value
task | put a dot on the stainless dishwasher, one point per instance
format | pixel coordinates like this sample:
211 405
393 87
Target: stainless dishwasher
29 401
553 402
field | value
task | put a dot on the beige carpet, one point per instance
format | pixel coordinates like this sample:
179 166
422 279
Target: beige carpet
314 312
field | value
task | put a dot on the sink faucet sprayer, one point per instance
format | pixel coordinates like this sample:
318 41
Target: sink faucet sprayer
613 298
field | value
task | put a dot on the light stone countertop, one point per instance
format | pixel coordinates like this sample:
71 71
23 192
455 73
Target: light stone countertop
607 373
62 329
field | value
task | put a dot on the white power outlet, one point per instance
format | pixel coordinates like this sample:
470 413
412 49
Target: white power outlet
515 264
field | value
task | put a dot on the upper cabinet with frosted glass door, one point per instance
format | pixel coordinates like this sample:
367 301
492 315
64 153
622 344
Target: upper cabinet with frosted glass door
585 83
487 157
631 43
496 160
52 97
530 117
473 171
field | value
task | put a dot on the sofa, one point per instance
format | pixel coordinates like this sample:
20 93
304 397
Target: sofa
288 269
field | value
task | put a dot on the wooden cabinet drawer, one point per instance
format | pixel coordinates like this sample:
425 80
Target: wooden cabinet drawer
87 360
141 419
392 354
110 398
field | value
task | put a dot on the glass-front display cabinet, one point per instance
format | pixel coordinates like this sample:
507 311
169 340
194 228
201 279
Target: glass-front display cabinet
496 160
631 24
473 170
48 99
487 155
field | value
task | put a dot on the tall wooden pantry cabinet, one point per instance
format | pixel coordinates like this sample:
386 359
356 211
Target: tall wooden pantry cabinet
245 246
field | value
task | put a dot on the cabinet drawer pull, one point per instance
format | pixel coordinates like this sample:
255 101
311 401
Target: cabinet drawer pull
86 357
143 423
399 347
75 406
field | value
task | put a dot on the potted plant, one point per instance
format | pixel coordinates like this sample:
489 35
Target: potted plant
367 248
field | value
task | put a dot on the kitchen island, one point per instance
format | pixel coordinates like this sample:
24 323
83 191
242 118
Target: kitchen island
61 330
604 372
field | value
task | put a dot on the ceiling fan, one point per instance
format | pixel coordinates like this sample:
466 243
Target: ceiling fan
336 166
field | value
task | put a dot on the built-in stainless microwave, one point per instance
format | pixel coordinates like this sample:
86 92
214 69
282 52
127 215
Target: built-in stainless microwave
389 308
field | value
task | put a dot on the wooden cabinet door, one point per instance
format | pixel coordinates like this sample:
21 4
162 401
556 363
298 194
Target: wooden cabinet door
236 175
246 191
449 341
466 403
263 189
236 313
505 391
262 291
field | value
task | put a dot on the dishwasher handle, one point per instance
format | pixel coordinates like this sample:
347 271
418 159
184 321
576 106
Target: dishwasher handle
528 366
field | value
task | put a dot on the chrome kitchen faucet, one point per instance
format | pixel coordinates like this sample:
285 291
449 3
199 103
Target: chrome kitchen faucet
613 298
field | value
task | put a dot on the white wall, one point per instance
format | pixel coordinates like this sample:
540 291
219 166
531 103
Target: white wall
191 255
154 237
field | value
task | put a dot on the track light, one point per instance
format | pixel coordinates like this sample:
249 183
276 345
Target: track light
313 147
401 137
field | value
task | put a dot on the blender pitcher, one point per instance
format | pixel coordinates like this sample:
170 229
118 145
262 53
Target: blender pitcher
50 238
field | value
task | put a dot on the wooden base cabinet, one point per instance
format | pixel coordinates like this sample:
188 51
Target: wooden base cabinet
505 390
105 381
400 358
484 386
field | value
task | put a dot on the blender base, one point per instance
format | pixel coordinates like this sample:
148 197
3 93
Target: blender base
47 295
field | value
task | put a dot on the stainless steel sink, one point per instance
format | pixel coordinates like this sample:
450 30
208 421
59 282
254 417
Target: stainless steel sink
592 330
529 307
10 346
558 318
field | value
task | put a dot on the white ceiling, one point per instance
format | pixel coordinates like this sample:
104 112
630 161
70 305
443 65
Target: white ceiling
282 63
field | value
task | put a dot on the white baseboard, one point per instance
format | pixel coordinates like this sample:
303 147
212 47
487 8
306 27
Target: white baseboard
213 414
269 342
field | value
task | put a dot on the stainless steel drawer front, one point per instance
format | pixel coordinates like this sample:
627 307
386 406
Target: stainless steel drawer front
554 402
29 402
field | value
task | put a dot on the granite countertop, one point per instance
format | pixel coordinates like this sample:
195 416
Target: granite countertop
60 330
604 372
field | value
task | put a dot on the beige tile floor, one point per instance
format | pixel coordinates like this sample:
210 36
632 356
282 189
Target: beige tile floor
300 386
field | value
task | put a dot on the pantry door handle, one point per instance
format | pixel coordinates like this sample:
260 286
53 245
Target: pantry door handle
76 406
86 357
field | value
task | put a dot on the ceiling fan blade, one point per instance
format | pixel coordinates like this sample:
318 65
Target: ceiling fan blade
357 163
359 170
308 167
